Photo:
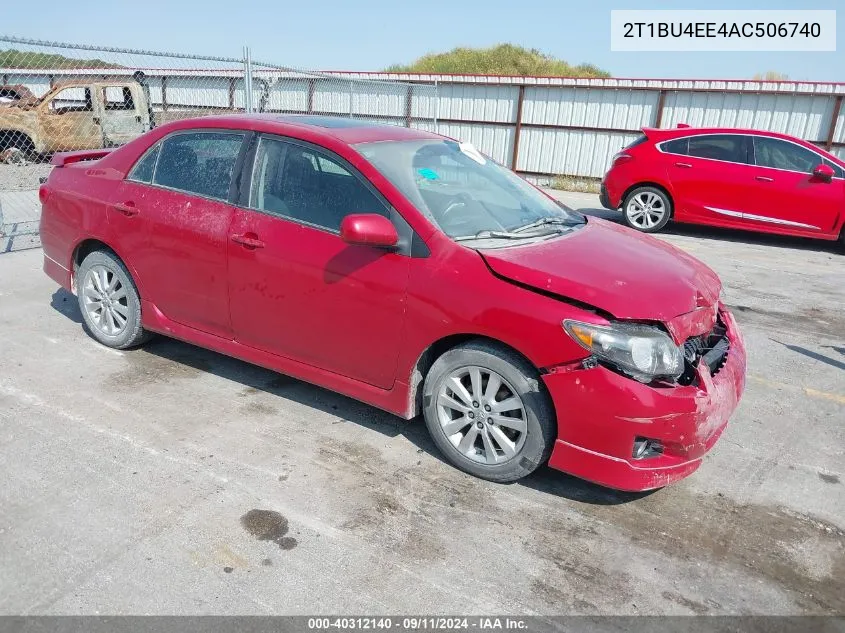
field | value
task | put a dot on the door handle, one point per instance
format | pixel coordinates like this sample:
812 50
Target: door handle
764 178
249 241
684 165
127 208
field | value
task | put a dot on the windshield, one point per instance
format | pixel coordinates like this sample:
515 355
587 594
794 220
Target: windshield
465 193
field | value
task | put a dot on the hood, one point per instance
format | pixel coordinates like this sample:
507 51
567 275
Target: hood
628 274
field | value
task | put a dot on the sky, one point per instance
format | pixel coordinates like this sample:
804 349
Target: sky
372 34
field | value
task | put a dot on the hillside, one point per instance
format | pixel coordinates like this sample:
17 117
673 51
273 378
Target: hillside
503 59
12 58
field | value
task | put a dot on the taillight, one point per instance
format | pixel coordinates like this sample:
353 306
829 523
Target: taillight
43 193
622 157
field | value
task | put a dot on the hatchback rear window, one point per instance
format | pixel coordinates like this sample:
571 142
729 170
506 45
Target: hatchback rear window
638 141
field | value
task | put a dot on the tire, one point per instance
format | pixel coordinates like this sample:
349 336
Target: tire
518 378
647 209
122 305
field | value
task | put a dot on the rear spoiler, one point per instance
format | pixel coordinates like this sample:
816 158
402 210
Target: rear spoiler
66 158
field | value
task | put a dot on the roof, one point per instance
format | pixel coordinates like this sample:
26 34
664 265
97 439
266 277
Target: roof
347 130
688 130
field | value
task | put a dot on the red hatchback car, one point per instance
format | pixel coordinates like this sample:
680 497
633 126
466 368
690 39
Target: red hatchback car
411 272
738 179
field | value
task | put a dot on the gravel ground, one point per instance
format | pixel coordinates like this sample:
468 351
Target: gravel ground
22 178
139 481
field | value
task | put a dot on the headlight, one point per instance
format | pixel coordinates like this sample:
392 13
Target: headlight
641 351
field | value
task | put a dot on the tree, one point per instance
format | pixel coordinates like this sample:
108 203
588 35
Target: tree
771 75
502 59
12 58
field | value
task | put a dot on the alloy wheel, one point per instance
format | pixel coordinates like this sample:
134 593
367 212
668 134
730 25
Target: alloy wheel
645 210
482 415
105 301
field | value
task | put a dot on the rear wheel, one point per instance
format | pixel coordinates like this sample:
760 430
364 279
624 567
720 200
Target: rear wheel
109 301
488 413
647 209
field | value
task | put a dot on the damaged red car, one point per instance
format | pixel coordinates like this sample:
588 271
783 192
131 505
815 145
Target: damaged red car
411 272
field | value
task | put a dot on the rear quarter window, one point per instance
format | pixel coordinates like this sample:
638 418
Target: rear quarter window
144 168
678 146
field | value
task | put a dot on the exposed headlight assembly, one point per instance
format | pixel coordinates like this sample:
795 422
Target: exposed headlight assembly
641 351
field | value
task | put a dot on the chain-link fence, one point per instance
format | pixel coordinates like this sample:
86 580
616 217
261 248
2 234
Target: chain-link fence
64 97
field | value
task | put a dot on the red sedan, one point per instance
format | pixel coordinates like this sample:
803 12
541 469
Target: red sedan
411 272
738 179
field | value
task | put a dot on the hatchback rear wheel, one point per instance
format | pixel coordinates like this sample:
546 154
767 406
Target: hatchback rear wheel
647 209
488 413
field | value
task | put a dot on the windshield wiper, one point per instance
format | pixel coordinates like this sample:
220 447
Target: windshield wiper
486 234
546 221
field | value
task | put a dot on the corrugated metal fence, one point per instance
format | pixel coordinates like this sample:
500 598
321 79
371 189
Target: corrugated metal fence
540 126
559 126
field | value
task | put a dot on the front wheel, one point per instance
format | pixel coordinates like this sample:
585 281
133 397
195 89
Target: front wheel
647 209
488 413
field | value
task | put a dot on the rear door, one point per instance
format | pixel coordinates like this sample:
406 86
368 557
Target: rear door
122 114
709 174
172 217
787 197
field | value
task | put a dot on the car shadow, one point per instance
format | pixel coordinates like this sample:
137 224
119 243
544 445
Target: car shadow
255 379
827 360
726 235
65 303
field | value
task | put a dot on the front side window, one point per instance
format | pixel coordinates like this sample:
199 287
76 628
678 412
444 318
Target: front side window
732 148
298 182
778 154
72 99
465 193
198 162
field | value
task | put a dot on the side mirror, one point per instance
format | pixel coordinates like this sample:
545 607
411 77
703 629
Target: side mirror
368 229
824 172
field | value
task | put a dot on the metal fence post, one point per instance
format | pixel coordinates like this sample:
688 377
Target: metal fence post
247 79
436 105
351 91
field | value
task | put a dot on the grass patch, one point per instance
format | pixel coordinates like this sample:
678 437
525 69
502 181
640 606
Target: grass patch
576 183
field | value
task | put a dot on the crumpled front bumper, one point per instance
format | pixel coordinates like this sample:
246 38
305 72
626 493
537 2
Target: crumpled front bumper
601 414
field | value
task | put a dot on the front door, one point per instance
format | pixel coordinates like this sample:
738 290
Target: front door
786 196
68 121
295 288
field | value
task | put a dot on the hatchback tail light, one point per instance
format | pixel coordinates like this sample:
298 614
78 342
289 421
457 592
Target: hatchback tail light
622 157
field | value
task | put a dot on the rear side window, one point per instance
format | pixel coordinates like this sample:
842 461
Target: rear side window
731 148
143 169
199 162
678 146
